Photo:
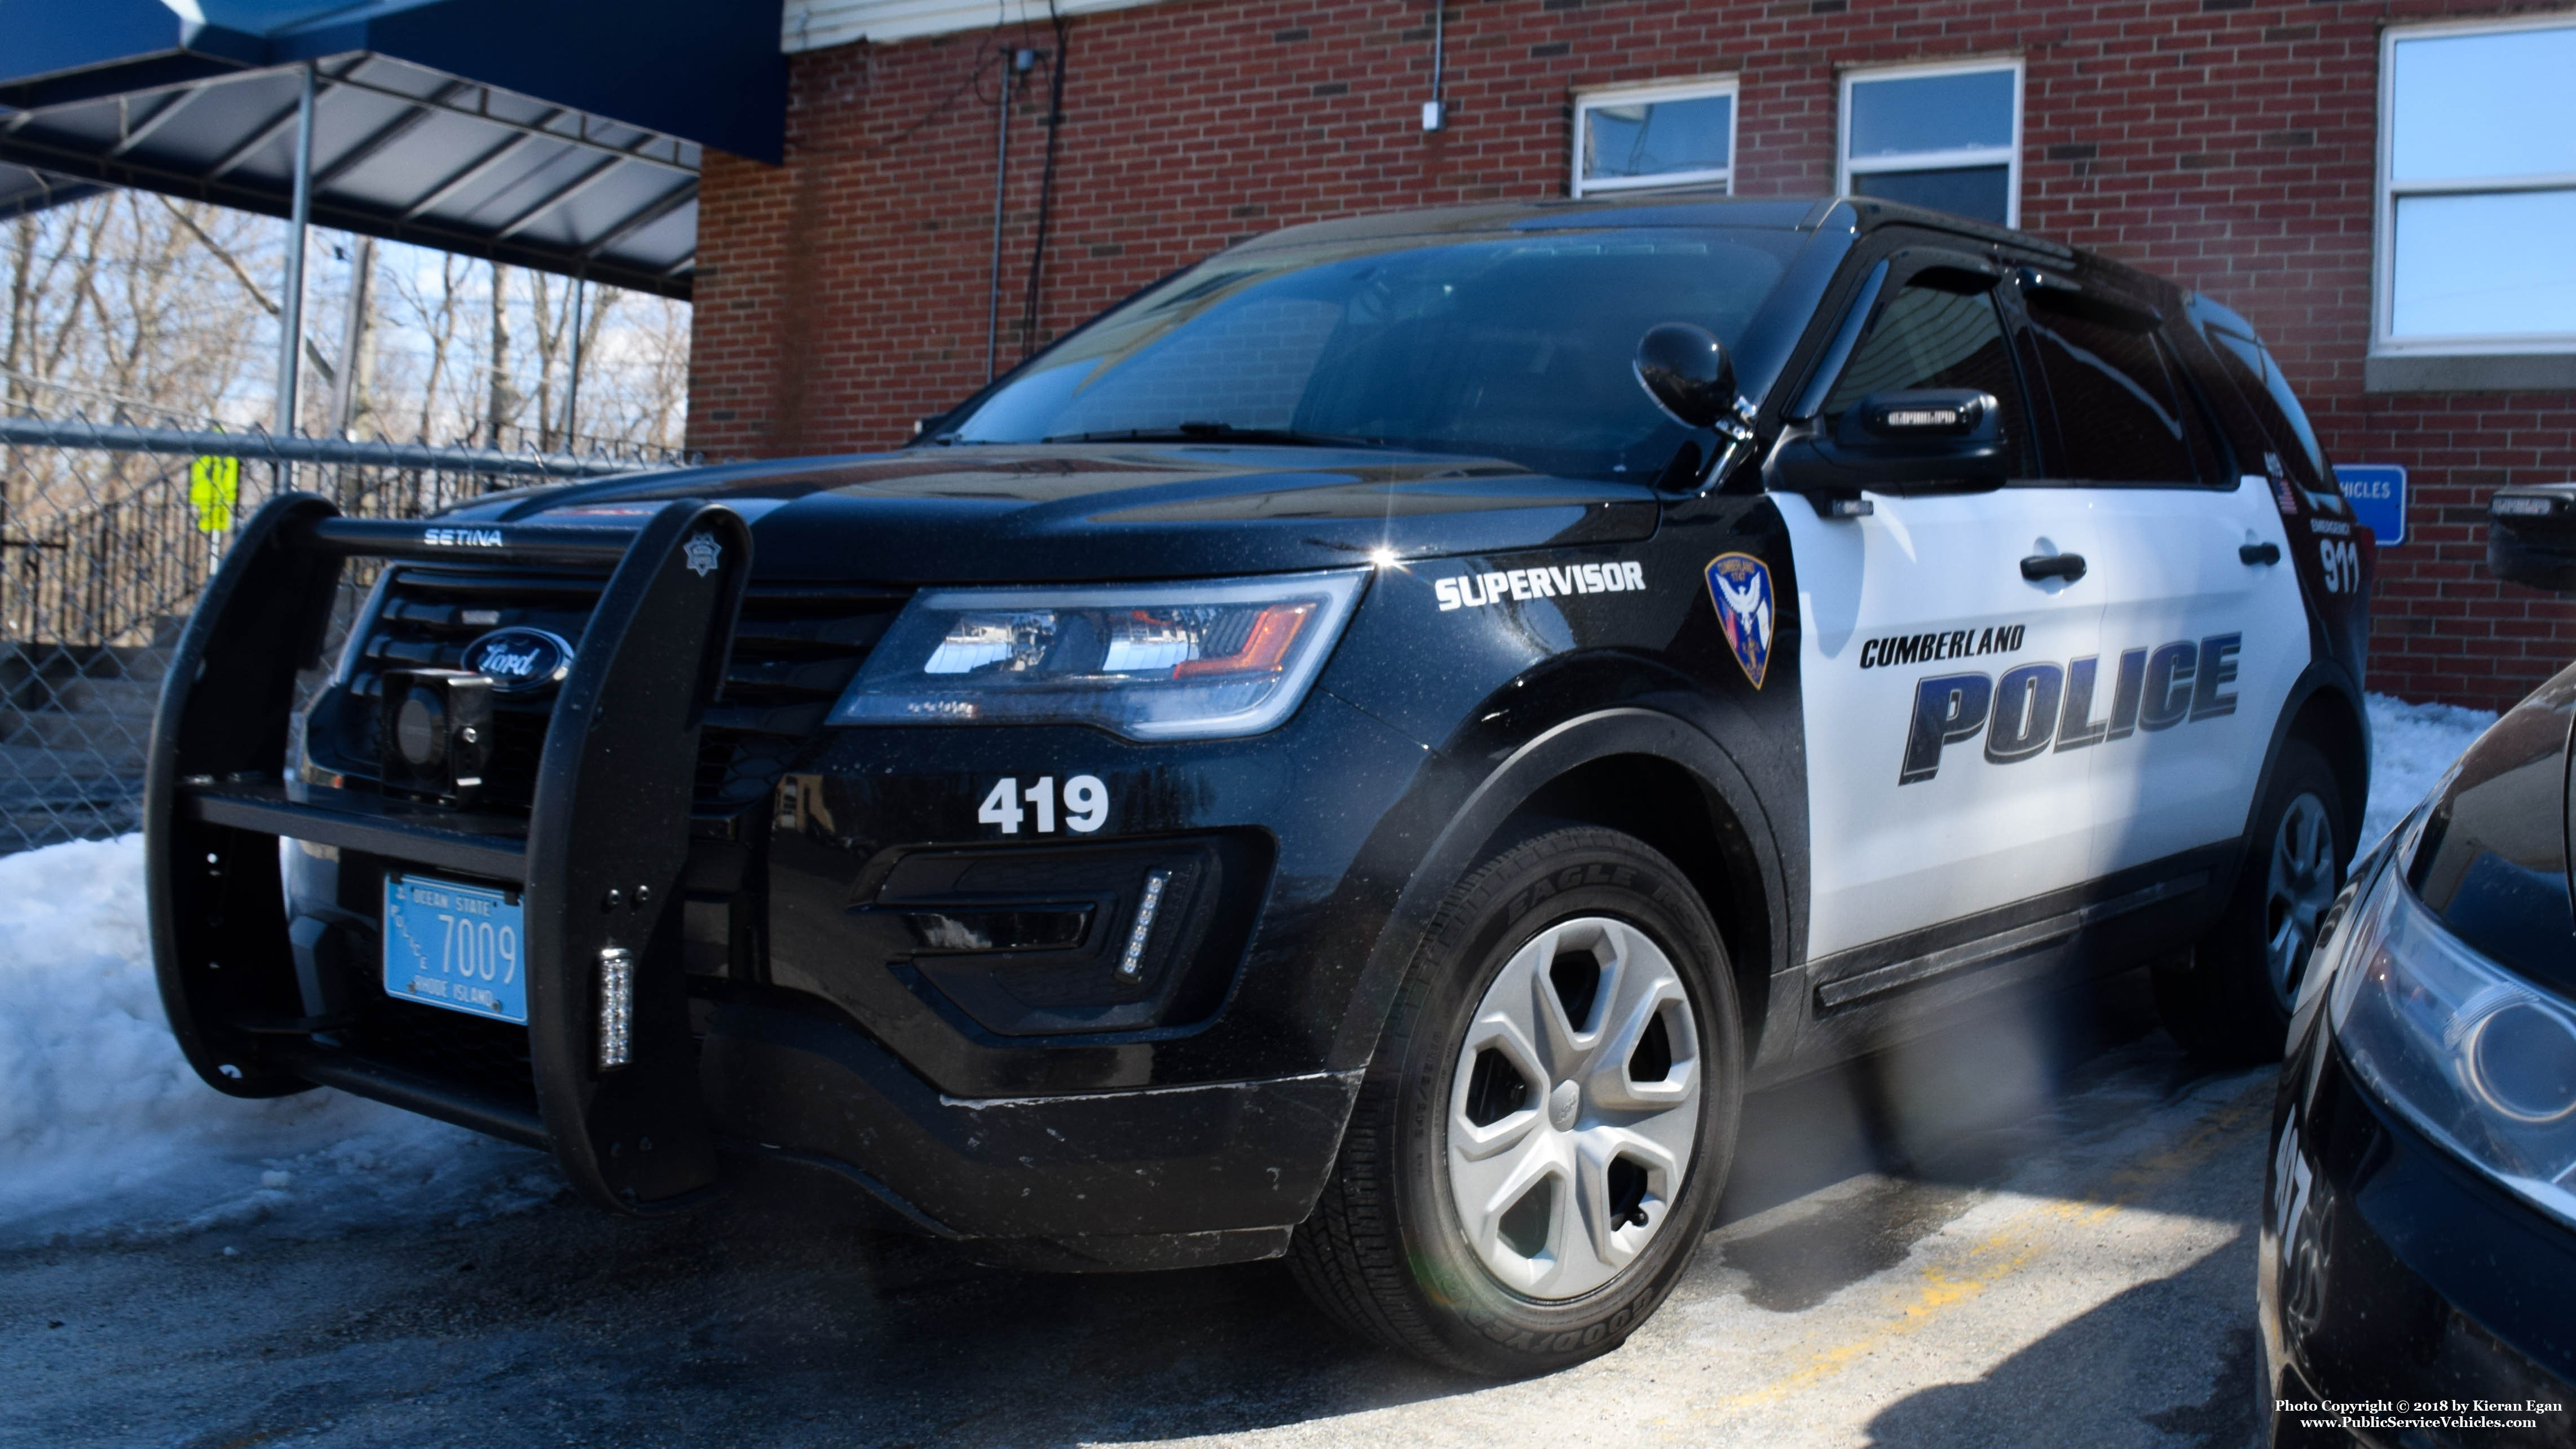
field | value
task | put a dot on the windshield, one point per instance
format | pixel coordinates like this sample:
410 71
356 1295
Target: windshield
1518 347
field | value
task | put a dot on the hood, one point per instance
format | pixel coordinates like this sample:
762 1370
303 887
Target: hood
2493 860
1068 514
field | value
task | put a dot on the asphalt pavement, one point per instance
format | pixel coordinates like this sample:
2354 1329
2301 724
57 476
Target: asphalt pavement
2035 1228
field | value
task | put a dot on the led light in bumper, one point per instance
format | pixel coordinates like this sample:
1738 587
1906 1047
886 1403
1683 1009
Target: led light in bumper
1148 661
2472 1055
1132 964
616 1005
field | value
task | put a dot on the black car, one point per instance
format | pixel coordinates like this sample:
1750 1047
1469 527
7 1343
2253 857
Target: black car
1364 752
2418 1281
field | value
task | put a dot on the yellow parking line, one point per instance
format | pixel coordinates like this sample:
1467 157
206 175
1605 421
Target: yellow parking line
2021 1242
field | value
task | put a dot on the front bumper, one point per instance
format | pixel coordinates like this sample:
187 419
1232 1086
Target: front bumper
2407 1298
1140 1178
848 981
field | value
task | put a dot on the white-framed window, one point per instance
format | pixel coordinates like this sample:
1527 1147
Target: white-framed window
1945 136
1635 137
2475 239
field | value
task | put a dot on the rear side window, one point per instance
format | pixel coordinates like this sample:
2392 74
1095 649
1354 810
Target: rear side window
2259 378
1928 336
2122 414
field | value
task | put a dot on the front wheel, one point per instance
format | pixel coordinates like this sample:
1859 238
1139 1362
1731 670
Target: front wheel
2230 1000
1544 1131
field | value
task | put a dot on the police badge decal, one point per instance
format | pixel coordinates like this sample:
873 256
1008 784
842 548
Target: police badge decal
702 551
1740 586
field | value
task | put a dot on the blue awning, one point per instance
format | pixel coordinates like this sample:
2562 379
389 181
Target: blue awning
558 134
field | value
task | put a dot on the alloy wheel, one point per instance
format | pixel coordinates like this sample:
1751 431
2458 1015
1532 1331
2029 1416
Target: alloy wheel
1574 1108
2300 887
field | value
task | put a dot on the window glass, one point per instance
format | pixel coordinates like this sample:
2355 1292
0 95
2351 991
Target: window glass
2275 408
1942 139
1513 347
2120 418
2477 208
1897 115
1671 136
2478 105
1658 139
1984 192
2485 264
1929 337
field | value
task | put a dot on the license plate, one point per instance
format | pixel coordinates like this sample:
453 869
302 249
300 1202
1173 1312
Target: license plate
457 946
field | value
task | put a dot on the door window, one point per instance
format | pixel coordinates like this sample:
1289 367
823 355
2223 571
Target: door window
2122 415
1932 335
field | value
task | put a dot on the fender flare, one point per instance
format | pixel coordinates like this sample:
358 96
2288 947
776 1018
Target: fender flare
1627 730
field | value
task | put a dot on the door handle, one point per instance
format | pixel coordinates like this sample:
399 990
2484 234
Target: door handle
2067 566
2258 553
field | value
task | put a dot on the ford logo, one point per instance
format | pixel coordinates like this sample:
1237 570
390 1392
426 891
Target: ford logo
520 660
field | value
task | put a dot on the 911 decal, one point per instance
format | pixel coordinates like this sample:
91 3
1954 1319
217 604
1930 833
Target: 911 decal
2034 706
2341 558
1475 591
1086 805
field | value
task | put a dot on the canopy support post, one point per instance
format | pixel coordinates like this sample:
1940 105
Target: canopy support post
290 316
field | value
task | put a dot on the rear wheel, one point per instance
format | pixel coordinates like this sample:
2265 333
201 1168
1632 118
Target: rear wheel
1542 1136
2231 998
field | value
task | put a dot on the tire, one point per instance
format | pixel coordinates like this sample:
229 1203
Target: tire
1637 1132
2230 998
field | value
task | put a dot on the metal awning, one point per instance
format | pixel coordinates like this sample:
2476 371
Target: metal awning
563 135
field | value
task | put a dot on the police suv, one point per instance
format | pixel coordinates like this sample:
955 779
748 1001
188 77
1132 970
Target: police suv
1365 752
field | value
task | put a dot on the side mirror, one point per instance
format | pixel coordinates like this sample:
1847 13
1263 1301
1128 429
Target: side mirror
2531 536
1904 440
1686 371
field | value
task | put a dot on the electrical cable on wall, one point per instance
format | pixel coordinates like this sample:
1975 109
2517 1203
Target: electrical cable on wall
1046 183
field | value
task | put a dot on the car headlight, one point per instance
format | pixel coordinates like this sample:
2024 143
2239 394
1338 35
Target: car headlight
2472 1055
1149 661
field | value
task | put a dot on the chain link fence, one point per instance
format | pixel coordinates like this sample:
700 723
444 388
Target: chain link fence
108 530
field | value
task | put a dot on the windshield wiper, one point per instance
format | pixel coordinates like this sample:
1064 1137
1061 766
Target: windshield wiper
1220 433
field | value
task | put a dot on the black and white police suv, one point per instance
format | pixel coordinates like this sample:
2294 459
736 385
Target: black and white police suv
1321 761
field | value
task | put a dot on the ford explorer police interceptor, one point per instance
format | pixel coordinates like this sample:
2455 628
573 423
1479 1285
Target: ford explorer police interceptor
1365 752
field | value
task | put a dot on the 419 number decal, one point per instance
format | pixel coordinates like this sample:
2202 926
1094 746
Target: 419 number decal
1086 805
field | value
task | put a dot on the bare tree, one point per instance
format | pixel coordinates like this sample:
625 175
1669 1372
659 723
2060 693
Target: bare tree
503 402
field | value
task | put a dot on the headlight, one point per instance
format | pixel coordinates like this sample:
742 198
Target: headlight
1148 661
2476 1058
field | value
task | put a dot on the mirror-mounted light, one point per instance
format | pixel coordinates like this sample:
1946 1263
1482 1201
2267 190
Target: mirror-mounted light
1686 371
2531 536
1920 413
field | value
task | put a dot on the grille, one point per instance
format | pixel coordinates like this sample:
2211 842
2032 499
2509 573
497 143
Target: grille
795 650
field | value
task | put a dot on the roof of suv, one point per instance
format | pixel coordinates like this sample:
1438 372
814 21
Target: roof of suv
1676 208
1710 209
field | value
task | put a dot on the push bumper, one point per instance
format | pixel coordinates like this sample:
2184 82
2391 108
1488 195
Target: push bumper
597 862
2411 1301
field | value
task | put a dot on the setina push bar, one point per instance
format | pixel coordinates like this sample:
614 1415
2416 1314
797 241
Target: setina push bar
597 863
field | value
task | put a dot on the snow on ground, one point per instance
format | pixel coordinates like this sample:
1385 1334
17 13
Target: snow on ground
2410 746
105 1132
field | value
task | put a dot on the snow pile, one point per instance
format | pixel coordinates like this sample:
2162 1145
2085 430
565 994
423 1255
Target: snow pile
104 1129
2410 746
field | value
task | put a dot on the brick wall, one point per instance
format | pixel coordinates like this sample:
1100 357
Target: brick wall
2223 143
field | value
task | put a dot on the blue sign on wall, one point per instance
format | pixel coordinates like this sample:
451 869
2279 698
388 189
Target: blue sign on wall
2377 493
